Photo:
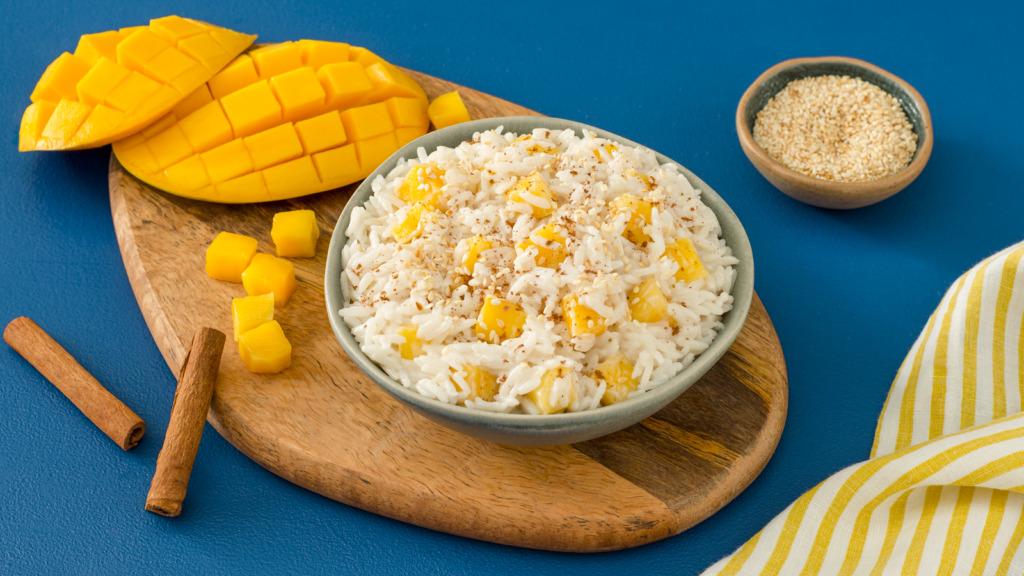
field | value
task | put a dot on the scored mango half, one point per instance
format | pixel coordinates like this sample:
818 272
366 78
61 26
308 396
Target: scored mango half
281 121
119 81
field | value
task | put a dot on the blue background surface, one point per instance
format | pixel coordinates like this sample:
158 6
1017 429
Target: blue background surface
848 291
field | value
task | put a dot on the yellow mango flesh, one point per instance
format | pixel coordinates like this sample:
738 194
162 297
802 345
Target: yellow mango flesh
280 121
617 374
447 110
118 82
534 191
423 184
581 319
476 382
475 247
295 233
267 274
265 349
413 224
542 396
647 302
413 345
639 211
229 255
500 320
691 268
248 312
549 243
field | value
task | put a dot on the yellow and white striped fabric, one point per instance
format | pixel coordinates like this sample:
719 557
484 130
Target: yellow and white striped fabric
943 491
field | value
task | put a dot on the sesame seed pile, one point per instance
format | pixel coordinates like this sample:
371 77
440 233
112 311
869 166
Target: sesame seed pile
836 128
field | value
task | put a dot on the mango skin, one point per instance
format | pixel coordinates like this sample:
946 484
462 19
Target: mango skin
281 121
118 82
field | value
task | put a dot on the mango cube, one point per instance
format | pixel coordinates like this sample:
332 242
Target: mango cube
581 319
295 234
500 320
248 312
265 349
229 255
446 110
549 243
544 396
475 246
476 382
413 345
691 268
268 273
534 191
647 302
639 211
617 374
414 223
423 184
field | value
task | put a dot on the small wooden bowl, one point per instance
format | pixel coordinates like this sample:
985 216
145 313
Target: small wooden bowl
816 191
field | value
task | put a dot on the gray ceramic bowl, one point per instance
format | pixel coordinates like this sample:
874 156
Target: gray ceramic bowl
815 191
553 429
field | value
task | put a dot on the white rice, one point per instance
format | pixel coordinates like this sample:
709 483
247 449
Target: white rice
388 284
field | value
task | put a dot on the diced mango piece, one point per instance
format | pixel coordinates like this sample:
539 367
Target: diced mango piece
408 113
475 382
99 81
299 92
170 146
500 320
291 179
647 302
248 312
194 101
65 120
273 146
295 233
446 110
475 247
617 374
265 349
683 252
321 132
288 120
374 151
60 79
423 184
92 47
413 345
268 273
190 171
252 109
346 83
317 53
549 242
413 224
602 151
534 191
241 72
277 58
639 211
228 255
142 72
581 319
552 399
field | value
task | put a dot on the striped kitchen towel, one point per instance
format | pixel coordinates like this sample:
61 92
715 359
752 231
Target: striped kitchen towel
943 491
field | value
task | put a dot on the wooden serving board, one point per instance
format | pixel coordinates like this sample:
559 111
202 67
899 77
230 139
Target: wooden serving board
323 425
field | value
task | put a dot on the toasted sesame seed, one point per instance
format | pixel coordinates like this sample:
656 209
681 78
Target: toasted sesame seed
836 128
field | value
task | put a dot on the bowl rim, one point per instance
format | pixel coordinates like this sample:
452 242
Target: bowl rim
896 180
659 396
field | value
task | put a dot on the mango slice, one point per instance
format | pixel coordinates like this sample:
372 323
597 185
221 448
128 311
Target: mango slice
543 395
617 374
265 349
281 121
500 320
229 255
118 82
270 274
249 312
295 233
447 110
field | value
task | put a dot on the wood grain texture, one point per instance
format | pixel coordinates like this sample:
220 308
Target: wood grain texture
323 425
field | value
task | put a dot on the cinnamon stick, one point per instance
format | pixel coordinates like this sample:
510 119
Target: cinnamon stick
188 416
108 413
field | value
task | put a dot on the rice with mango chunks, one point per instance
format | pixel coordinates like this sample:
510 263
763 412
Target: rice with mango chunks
537 273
